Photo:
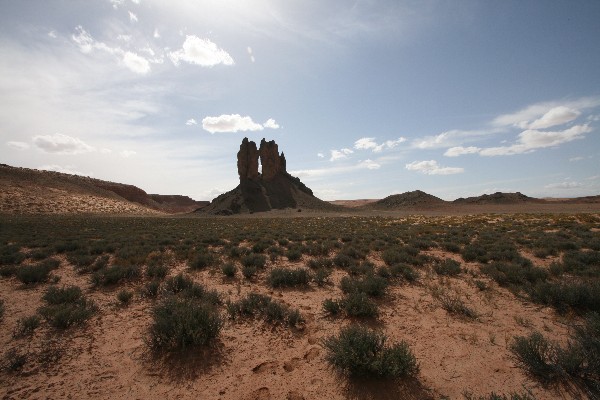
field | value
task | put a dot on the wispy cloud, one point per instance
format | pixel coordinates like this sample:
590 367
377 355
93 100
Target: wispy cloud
235 123
68 169
18 145
61 144
459 151
340 154
191 122
201 52
564 185
369 143
431 167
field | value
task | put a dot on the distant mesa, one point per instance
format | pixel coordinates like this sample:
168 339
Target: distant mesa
499 198
271 188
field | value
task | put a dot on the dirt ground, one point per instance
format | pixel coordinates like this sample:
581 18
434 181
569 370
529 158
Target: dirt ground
109 358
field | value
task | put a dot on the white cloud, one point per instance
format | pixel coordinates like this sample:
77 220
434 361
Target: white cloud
132 61
156 35
575 159
127 153
201 52
340 154
369 164
105 151
61 144
556 116
132 17
191 122
545 115
450 138
18 145
459 151
136 63
116 3
369 143
69 169
251 54
564 185
52 34
531 139
320 155
271 124
234 123
431 167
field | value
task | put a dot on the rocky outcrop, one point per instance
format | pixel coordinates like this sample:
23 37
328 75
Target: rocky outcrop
271 188
414 199
498 198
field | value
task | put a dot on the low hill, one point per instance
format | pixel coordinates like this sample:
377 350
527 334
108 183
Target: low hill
410 200
26 191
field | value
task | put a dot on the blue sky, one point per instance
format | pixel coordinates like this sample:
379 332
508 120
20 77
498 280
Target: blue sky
366 98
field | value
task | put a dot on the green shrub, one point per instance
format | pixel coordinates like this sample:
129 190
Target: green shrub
249 271
537 356
358 304
151 288
332 307
455 305
404 271
114 274
180 323
286 277
580 296
514 274
343 261
14 360
202 260
2 309
125 296
36 273
157 271
255 304
66 307
254 260
359 351
26 326
293 254
320 262
371 285
321 276
229 269
447 267
184 286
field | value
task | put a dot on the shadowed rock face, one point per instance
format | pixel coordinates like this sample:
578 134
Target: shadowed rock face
247 160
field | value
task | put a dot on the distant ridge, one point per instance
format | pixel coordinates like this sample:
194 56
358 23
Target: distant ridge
498 198
27 190
414 199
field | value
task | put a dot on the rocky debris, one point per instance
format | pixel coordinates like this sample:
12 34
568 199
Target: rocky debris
271 188
498 198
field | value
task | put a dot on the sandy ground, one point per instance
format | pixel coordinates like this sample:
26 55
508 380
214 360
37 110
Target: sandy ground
108 357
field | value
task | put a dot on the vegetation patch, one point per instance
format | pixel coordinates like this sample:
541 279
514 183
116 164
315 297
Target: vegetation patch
66 306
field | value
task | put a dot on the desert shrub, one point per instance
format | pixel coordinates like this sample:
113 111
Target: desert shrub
8 270
114 274
582 263
358 304
66 306
293 254
359 351
343 260
184 286
320 262
180 323
81 259
447 267
249 271
254 260
36 273
202 260
481 285
11 255
405 272
580 296
124 296
286 277
455 305
474 252
514 274
332 307
2 309
26 326
229 269
371 285
255 304
364 268
157 271
14 360
537 356
404 254
321 276
451 247
238 252
151 288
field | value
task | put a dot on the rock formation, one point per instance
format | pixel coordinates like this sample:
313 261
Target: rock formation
271 188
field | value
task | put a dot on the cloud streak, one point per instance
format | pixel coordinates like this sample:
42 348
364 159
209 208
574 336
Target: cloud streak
61 144
431 167
202 52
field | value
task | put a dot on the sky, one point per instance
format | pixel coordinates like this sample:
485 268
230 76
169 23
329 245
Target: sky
366 98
